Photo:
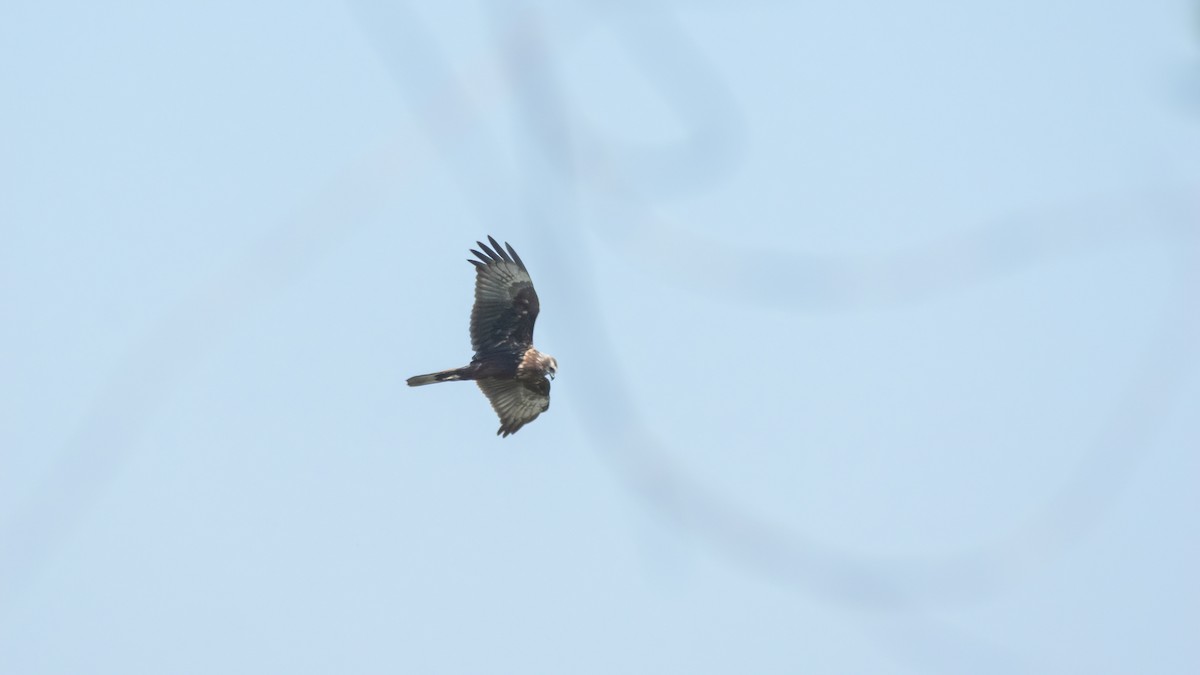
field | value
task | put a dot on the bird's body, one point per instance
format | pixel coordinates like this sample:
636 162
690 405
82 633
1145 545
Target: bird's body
513 375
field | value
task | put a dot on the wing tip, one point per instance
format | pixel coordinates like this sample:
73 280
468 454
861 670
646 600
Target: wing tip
497 253
499 249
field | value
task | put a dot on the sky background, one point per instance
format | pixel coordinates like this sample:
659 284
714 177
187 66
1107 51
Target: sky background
877 330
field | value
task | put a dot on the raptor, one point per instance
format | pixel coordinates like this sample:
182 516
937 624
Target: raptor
513 375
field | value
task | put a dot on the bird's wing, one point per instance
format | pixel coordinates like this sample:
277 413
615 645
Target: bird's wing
506 305
516 402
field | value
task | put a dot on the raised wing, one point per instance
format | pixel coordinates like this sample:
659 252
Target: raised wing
516 402
506 306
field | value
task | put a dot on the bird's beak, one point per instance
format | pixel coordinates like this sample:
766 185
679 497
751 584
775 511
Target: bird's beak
551 376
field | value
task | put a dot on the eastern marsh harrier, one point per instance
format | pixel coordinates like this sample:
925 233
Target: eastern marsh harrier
513 375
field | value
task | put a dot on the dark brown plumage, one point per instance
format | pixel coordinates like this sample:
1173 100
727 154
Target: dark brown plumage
513 375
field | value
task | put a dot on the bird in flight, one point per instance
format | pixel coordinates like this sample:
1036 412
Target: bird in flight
510 372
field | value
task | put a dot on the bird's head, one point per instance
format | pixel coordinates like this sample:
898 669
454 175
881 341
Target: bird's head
550 365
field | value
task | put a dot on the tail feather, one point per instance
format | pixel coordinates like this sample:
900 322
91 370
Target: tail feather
442 376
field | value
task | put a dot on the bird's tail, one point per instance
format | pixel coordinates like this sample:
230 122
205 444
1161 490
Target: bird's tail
443 376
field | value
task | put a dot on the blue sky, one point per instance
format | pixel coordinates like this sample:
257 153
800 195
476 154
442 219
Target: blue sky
875 321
